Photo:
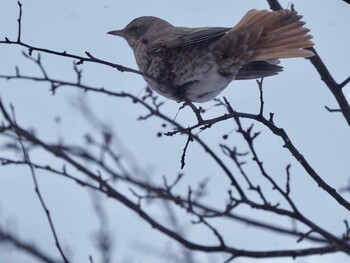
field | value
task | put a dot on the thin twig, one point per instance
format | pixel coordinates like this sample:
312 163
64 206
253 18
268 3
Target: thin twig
288 179
325 75
260 85
19 20
37 189
189 139
26 247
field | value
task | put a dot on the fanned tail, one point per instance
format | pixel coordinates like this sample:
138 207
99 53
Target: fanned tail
273 35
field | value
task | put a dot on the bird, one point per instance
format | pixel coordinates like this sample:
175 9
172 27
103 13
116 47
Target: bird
197 64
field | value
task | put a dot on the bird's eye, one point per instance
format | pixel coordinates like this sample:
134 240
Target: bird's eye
133 28
136 30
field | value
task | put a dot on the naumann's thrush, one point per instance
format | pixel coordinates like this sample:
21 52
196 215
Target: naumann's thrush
196 64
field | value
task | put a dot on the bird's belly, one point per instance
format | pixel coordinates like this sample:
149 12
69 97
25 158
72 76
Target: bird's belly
191 74
195 86
207 87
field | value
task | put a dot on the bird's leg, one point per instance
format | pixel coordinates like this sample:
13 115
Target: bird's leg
180 95
197 111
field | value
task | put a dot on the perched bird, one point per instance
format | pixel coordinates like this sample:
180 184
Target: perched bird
196 64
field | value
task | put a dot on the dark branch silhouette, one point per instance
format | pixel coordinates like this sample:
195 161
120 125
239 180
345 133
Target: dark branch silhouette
243 189
30 249
333 86
35 180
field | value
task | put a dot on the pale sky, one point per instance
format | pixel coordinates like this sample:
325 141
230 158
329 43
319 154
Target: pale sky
297 97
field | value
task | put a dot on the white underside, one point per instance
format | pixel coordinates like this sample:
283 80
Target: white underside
209 86
199 87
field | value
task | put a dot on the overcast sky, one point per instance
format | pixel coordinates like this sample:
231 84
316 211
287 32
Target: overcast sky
297 97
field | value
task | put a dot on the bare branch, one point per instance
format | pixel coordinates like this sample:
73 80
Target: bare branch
26 247
332 110
325 75
37 189
288 179
189 139
260 85
19 20
110 169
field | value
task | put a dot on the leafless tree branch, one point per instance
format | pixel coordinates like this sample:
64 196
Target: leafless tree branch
244 191
335 88
26 247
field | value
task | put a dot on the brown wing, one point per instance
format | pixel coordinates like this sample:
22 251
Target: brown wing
182 36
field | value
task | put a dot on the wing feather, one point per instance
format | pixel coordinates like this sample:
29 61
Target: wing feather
185 36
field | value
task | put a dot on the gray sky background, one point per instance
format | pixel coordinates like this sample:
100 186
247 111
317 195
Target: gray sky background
297 97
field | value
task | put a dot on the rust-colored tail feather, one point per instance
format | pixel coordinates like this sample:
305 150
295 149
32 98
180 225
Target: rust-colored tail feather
273 35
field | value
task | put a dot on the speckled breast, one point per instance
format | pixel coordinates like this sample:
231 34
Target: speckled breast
184 72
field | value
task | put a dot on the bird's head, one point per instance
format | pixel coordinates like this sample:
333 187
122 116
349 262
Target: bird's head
141 29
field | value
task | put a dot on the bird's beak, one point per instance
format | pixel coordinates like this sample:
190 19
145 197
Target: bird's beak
116 33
